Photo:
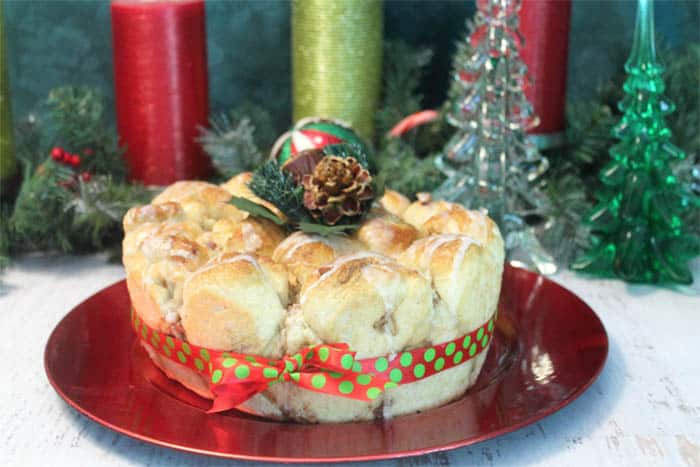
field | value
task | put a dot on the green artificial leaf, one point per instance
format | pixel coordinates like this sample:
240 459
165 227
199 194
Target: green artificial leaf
256 209
326 230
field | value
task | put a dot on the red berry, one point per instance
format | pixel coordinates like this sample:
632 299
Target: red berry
57 154
88 151
74 160
86 176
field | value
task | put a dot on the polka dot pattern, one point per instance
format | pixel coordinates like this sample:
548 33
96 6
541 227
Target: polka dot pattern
330 369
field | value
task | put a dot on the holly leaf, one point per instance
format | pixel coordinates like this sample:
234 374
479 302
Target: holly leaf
256 209
326 230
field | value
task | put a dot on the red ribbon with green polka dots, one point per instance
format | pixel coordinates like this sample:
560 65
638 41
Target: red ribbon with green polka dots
327 368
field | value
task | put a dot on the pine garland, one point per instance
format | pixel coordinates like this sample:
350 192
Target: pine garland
234 139
403 69
74 207
231 147
56 209
406 164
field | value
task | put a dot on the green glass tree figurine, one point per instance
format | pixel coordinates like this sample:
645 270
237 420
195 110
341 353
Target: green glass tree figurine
638 228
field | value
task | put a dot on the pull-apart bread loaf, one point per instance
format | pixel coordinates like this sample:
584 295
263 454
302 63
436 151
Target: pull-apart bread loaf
411 276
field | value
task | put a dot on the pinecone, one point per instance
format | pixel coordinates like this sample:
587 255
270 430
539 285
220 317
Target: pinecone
337 188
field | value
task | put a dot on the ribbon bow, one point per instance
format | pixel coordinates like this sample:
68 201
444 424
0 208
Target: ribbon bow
327 368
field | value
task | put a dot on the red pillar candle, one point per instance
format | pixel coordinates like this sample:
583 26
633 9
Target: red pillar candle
160 79
544 25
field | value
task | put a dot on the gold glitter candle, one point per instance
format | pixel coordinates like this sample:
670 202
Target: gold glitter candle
337 60
8 164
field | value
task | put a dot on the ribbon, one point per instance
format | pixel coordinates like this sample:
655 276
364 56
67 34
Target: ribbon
326 368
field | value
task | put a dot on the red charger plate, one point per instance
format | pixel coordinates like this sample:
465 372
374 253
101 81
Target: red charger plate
549 347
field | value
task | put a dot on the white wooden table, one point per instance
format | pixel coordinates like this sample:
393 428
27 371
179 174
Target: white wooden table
643 410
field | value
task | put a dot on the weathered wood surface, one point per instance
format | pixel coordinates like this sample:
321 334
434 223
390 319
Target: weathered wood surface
644 409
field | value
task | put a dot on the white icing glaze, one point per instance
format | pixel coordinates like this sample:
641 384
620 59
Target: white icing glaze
218 261
386 282
295 241
251 239
479 226
432 244
337 264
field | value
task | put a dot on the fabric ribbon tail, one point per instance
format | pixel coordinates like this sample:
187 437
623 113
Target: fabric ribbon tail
229 396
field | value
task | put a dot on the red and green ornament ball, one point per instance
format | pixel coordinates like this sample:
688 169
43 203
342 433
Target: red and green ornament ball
313 134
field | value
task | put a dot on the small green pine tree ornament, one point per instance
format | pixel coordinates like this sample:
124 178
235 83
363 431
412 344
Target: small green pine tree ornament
640 228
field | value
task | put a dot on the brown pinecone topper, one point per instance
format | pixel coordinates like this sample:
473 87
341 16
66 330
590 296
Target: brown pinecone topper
336 188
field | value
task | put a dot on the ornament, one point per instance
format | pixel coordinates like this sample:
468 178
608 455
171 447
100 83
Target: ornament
86 176
337 60
313 133
641 228
490 163
322 191
337 187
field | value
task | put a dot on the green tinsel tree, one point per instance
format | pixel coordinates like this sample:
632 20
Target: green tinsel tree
639 228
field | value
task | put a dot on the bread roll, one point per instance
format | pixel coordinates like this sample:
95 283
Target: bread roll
238 186
369 302
385 233
236 302
394 202
157 266
304 253
252 235
192 190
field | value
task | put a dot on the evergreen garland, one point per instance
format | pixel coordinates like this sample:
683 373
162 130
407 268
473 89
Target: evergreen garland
406 164
231 147
56 209
235 140
68 207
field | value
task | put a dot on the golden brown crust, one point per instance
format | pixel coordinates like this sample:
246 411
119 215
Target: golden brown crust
304 253
236 302
394 202
152 213
385 233
369 302
252 235
192 190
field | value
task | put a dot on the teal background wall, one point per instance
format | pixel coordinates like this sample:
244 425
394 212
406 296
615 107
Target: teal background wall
69 42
